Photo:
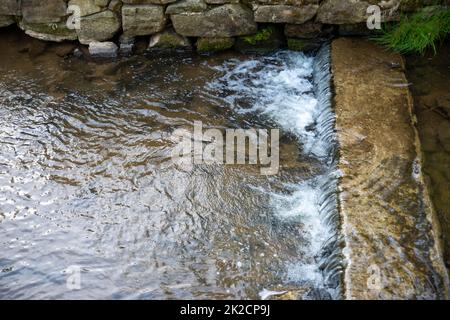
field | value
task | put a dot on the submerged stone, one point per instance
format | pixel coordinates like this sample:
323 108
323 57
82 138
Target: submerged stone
64 49
37 48
103 49
126 45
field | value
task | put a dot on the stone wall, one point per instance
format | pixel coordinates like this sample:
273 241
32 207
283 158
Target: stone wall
209 24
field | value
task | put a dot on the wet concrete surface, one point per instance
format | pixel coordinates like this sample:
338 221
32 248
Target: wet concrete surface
388 223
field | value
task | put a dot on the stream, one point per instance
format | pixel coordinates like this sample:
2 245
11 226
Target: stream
87 181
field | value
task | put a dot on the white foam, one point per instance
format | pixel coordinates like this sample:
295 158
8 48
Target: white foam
266 294
302 204
278 87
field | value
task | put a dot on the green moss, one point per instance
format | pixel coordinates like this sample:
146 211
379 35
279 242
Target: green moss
214 44
262 35
171 41
413 5
304 44
417 32
296 44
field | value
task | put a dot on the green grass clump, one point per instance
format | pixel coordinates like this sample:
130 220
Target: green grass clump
261 35
418 32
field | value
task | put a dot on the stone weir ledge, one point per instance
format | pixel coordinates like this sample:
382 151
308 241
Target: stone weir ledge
209 25
390 230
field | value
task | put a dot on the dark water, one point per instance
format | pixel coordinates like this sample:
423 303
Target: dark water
430 85
86 177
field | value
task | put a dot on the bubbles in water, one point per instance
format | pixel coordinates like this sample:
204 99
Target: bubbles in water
279 87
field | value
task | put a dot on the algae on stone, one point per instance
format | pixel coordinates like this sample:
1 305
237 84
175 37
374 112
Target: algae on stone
267 39
261 35
214 44
303 44
48 32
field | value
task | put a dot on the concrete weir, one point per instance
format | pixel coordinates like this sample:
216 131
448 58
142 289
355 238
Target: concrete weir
392 247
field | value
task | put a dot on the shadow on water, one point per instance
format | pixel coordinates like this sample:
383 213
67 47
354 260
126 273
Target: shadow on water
430 85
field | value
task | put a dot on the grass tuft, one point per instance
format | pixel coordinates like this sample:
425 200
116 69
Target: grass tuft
418 32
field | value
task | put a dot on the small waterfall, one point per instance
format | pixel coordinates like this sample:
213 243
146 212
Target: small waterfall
331 258
294 91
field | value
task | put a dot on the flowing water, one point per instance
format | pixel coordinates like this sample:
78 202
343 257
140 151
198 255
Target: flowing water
87 179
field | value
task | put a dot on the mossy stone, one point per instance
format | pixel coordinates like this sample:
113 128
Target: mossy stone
169 40
214 44
48 31
303 44
267 39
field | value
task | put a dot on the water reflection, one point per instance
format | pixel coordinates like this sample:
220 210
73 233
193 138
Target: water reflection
86 179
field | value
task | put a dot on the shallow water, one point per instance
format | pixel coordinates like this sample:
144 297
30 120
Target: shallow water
430 85
86 177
